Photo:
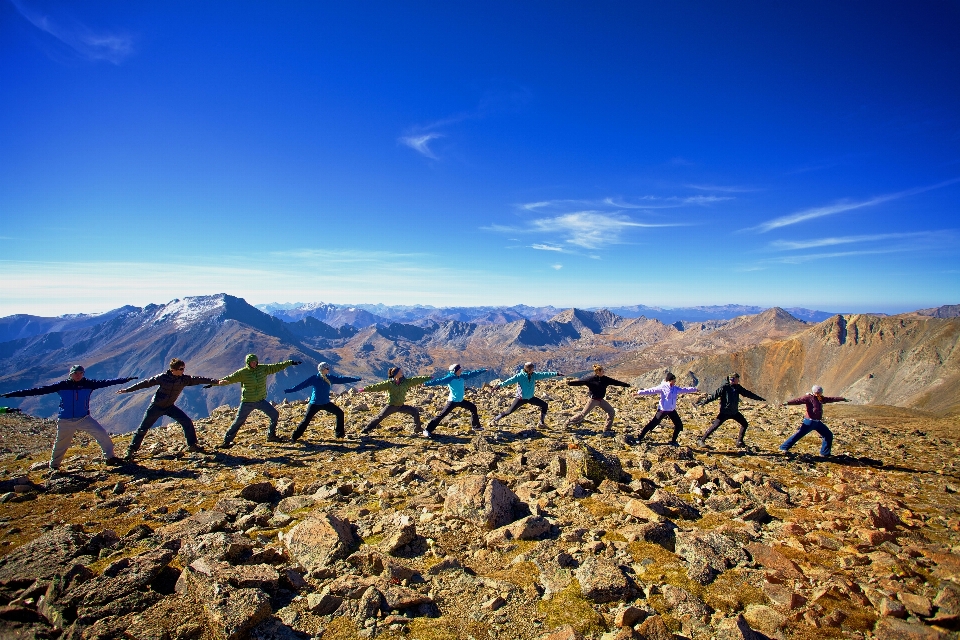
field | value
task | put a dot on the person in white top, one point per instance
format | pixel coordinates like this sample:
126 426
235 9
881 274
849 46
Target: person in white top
667 407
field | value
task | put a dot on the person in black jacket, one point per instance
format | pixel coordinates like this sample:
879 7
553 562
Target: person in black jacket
596 385
171 382
74 414
729 397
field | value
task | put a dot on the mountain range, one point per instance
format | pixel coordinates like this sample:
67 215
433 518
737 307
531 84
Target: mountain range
906 360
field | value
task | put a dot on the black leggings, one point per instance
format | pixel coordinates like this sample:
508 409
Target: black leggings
519 402
391 409
312 410
723 417
450 406
657 418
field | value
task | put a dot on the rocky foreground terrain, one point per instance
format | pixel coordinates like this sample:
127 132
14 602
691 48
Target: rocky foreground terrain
558 533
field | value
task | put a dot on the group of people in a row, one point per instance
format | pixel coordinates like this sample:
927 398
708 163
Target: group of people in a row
74 414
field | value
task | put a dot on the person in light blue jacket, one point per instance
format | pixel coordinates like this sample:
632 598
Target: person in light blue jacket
320 399
526 380
455 381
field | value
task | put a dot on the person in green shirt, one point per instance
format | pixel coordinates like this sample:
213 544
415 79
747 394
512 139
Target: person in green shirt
253 395
396 386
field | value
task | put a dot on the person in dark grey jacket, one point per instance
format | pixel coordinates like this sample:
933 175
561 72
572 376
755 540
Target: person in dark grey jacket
171 384
729 397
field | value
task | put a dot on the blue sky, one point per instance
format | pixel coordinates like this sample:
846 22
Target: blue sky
574 154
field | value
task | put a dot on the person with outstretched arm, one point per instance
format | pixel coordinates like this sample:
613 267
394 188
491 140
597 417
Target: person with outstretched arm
729 397
455 382
74 414
666 407
171 384
813 402
396 385
526 380
320 399
253 395
596 385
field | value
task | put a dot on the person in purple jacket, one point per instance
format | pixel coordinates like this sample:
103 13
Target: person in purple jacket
74 414
813 402
667 407
320 399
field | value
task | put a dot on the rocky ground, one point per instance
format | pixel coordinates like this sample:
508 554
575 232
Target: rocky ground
558 533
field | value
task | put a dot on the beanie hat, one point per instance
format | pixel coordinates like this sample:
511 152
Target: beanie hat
392 372
251 357
669 376
816 389
527 364
455 367
322 366
76 368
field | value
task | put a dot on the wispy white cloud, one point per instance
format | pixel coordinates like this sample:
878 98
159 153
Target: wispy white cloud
547 247
421 143
618 202
91 45
791 245
842 206
721 188
557 266
809 257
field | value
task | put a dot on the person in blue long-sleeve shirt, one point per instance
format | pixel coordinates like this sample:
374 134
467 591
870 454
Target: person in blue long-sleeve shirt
74 414
320 399
455 381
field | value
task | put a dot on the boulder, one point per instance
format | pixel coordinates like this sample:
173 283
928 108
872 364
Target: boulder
708 554
44 557
260 492
196 525
654 628
319 540
230 613
737 628
602 581
402 533
486 501
591 463
216 546
667 504
529 528
894 629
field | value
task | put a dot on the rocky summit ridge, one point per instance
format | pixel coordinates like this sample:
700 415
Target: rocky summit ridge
555 533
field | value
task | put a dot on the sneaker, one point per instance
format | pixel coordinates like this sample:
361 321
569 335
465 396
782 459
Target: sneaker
128 456
114 461
426 434
340 434
542 425
194 448
224 445
702 443
477 427
673 443
275 438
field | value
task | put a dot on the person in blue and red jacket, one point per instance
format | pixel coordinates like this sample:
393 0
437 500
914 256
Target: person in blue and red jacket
813 402
74 414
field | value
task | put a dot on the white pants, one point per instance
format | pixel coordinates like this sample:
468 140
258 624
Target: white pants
66 430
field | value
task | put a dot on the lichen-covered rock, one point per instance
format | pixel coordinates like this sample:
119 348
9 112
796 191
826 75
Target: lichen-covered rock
486 501
594 464
708 554
320 539
44 557
667 504
601 580
529 528
216 546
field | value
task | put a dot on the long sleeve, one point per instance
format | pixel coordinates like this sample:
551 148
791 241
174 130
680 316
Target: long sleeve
378 386
417 381
470 374
38 391
143 384
827 399
436 382
192 381
648 392
100 384
796 401
543 375
514 379
751 395
576 383
235 377
342 379
615 383
303 385
713 396
276 367
687 390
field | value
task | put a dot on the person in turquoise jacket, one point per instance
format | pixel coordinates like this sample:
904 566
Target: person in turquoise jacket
320 398
455 381
253 395
526 380
396 387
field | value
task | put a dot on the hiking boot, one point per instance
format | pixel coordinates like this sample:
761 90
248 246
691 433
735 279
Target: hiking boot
275 438
339 433
193 448
673 443
702 443
226 444
114 461
128 456
427 434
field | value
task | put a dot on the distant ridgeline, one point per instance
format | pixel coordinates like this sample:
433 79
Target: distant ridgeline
907 359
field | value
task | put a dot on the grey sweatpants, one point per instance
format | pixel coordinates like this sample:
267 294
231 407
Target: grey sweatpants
66 429
592 404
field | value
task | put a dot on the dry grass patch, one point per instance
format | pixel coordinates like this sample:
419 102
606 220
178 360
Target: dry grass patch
732 592
570 607
446 628
598 508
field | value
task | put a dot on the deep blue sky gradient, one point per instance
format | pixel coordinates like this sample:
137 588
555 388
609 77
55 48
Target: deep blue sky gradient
792 154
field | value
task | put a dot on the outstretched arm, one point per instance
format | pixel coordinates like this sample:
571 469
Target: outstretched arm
143 384
617 383
470 374
100 384
39 391
303 385
751 395
440 381
713 396
342 379
687 390
277 367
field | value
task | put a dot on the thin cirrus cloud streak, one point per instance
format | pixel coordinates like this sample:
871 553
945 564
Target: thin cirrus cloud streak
642 202
88 44
842 206
421 143
790 245
580 229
